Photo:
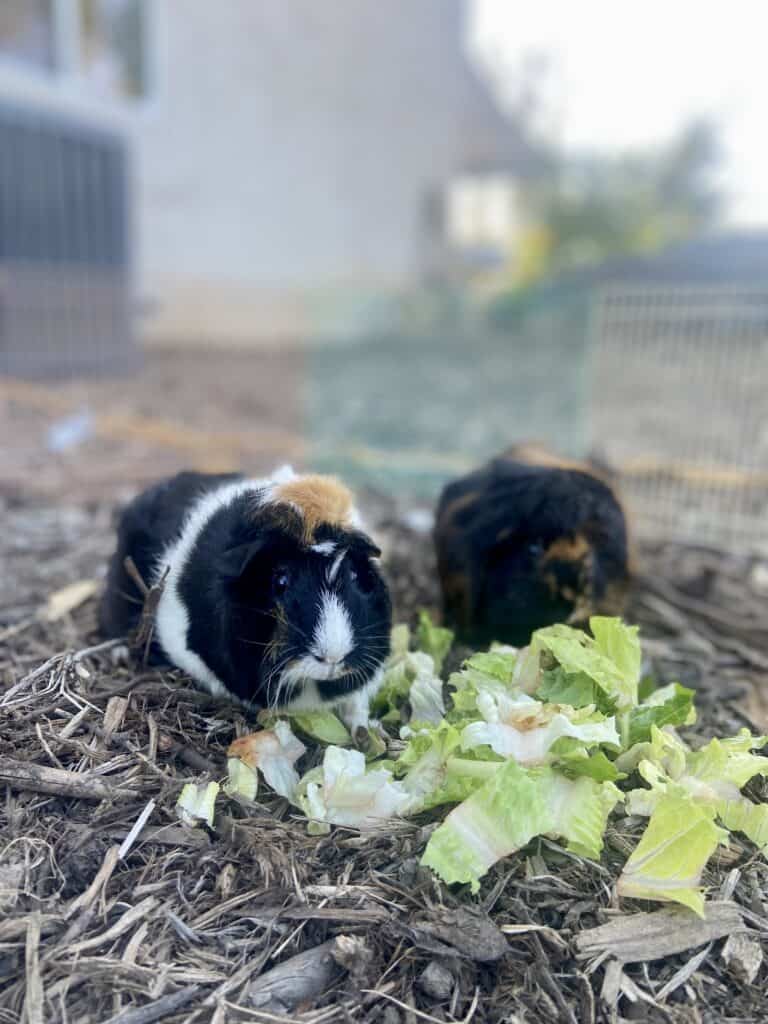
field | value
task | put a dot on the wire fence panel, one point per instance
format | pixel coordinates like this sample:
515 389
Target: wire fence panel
64 247
679 407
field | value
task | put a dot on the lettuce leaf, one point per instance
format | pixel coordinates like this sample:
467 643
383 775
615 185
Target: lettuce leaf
524 729
323 726
273 752
434 774
745 817
242 780
611 659
433 640
512 807
671 705
573 760
345 793
668 861
197 803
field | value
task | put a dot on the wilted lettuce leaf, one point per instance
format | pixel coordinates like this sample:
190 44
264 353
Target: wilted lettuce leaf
346 792
196 803
274 752
242 780
525 729
512 807
668 861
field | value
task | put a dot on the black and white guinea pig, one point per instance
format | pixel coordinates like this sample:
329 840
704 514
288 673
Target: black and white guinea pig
272 595
526 541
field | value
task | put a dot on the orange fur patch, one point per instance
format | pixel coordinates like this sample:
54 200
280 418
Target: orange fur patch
565 549
319 499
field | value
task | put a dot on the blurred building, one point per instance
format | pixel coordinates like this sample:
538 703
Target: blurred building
296 162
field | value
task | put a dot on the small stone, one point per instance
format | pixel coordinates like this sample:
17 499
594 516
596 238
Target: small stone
436 981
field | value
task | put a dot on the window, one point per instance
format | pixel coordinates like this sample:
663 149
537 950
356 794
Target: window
94 46
113 46
27 32
482 210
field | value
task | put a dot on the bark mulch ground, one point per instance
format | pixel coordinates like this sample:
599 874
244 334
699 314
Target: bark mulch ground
110 910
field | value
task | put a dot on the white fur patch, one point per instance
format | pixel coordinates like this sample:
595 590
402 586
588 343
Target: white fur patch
172 617
334 569
354 710
326 547
332 639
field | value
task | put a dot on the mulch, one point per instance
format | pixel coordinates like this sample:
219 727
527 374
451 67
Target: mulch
111 910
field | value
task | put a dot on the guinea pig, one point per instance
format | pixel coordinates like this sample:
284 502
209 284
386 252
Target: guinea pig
526 541
270 590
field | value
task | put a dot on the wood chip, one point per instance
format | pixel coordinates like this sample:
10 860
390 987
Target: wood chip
37 778
62 602
470 932
123 924
634 938
296 981
158 1009
113 716
34 998
744 957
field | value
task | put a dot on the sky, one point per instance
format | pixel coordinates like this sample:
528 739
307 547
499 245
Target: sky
624 74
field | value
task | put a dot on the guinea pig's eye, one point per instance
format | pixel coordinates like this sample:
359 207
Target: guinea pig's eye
281 580
362 577
535 548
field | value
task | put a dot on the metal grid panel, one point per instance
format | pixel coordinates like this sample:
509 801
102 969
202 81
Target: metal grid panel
679 406
64 247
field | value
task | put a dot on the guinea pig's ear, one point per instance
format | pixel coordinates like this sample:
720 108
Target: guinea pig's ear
363 545
233 562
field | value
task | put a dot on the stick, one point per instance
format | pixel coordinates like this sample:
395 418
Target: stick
157 1009
36 778
151 595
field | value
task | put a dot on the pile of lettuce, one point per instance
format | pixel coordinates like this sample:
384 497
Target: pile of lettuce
548 740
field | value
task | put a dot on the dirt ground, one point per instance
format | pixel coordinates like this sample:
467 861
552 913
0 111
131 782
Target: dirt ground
111 911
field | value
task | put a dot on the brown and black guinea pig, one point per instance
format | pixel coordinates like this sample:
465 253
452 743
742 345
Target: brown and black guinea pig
526 541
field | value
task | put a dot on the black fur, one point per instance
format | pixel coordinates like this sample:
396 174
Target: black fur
251 588
521 546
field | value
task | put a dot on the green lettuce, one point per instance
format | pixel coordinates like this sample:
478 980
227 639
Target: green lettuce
671 705
668 861
611 658
435 772
512 807
323 726
433 640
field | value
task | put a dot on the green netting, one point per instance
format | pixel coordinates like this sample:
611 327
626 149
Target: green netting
406 412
